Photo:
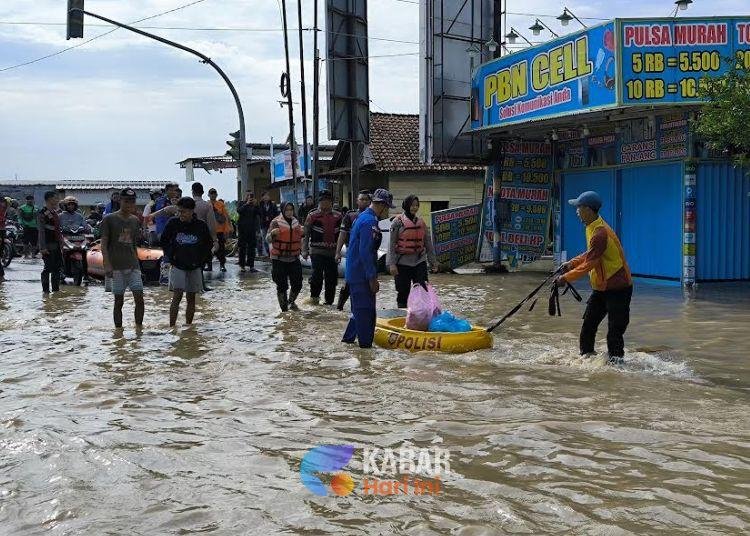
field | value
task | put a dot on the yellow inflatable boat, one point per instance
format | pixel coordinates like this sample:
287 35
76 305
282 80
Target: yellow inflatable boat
391 333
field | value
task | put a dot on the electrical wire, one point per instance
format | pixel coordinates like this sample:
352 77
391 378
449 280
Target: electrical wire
548 16
36 60
371 57
211 29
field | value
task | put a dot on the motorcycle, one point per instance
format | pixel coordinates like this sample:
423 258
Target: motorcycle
75 245
13 245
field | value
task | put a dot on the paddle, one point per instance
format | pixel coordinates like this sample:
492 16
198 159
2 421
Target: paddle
527 298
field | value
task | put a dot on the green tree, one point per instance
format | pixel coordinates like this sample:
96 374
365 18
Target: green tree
724 120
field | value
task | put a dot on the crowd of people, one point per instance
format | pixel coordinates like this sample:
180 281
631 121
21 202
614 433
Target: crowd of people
192 231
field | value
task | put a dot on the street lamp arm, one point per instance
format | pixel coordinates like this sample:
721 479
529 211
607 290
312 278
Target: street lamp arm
204 59
550 30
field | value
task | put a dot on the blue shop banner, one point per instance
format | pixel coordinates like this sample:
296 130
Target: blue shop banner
663 61
455 235
488 250
569 75
523 203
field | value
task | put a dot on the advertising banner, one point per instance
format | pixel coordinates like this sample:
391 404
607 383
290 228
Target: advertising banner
663 61
572 74
523 204
455 235
488 251
282 164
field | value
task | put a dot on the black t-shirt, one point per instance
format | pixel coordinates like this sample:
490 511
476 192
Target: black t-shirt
187 244
268 211
249 217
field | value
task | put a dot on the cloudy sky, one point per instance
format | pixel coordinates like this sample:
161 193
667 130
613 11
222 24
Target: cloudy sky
124 107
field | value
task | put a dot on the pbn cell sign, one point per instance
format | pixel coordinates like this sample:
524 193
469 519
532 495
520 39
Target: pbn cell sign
559 65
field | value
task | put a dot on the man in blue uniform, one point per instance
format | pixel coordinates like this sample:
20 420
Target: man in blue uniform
362 269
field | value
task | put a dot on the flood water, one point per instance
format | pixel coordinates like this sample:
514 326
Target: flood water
202 429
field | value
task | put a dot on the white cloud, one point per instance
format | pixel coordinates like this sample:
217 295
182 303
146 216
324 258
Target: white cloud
125 106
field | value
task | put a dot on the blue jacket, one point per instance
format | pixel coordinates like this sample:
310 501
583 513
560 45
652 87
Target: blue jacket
161 221
362 250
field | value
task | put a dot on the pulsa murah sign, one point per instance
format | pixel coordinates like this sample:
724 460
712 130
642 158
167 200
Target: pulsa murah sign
663 61
625 62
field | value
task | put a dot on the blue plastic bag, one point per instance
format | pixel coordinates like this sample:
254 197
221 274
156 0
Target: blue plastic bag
446 322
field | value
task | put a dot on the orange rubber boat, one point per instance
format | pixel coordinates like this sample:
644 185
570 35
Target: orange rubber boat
150 259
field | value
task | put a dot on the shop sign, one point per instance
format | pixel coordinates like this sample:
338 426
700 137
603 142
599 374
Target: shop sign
568 75
523 203
664 61
455 235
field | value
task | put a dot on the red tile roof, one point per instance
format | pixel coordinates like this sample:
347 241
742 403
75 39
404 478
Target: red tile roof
394 143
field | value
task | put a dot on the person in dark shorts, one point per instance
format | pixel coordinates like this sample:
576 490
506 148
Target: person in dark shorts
50 242
188 242
27 214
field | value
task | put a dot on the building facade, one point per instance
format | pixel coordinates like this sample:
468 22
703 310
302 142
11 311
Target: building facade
391 160
610 109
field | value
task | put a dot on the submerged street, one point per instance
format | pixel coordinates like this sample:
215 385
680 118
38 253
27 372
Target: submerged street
202 429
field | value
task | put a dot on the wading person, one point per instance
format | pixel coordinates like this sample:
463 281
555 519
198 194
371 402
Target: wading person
362 269
608 271
119 244
248 227
268 211
409 250
114 203
187 241
205 212
150 207
307 207
4 206
285 238
27 218
321 234
223 229
363 201
50 242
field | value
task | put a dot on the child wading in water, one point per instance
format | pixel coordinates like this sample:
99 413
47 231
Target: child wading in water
187 242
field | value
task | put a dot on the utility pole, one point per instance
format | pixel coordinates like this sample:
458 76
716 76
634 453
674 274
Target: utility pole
316 104
292 144
204 59
305 148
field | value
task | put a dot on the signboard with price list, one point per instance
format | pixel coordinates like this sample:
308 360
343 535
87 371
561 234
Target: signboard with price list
523 204
664 60
455 235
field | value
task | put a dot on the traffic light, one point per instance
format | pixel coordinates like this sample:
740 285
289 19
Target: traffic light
75 19
234 143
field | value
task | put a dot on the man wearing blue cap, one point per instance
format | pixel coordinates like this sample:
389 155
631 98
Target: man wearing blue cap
362 269
612 284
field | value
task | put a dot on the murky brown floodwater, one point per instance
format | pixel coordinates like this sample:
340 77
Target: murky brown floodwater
203 429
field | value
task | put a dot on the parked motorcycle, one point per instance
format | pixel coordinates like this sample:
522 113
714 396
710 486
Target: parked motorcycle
13 242
6 255
74 251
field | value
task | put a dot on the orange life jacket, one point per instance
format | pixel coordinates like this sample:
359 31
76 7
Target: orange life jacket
324 228
411 237
288 241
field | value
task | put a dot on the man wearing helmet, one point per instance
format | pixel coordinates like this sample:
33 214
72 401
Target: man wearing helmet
71 221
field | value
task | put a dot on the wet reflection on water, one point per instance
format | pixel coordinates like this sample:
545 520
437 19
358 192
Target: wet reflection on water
203 428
